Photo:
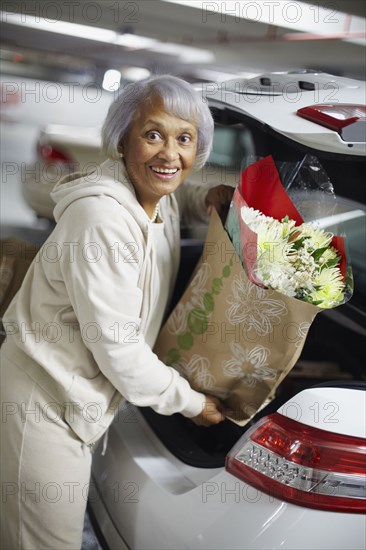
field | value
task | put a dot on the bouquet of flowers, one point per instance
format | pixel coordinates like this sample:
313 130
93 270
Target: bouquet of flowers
299 259
241 324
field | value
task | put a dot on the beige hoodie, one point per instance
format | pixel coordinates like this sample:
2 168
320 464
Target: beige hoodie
77 324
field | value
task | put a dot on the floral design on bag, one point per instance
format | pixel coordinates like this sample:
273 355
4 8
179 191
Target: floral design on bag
198 286
198 371
177 322
249 365
192 319
302 331
253 306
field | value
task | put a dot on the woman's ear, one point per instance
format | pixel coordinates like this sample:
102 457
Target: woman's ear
120 151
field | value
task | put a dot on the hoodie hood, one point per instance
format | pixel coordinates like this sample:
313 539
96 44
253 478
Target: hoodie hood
109 179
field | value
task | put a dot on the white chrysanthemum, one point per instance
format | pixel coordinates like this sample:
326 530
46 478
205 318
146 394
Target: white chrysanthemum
329 287
315 237
278 276
252 217
328 255
272 235
258 222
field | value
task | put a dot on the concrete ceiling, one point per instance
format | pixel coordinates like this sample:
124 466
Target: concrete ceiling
306 36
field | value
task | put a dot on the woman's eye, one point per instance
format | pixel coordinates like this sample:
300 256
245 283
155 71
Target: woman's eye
153 136
185 138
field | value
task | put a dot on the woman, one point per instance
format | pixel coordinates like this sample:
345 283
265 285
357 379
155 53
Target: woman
81 328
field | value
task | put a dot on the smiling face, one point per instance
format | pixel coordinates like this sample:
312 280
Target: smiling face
159 153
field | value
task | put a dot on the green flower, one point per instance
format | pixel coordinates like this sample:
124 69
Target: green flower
208 302
197 321
173 356
185 340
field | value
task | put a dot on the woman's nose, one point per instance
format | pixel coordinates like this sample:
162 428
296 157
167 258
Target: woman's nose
169 150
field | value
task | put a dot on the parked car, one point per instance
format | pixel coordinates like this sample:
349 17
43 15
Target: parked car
294 477
61 150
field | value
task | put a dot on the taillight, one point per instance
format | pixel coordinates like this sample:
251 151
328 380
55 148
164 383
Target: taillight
348 120
302 465
51 154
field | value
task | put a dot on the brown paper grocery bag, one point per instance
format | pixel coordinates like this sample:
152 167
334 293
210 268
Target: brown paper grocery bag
229 337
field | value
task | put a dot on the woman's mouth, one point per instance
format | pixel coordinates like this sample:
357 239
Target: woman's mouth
164 173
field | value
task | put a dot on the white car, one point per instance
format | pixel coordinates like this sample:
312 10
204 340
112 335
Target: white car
61 150
294 479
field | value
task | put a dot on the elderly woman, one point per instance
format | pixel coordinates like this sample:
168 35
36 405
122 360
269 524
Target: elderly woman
81 328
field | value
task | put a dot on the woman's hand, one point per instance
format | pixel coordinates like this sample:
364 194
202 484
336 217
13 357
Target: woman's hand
219 197
213 412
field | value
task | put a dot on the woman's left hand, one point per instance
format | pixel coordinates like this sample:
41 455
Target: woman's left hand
220 198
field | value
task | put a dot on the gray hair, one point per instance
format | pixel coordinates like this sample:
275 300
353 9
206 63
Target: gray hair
179 98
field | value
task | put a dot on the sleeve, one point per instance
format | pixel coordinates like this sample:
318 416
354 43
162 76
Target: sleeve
102 283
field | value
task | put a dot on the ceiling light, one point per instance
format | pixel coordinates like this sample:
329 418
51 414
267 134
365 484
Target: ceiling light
135 42
185 54
111 80
135 73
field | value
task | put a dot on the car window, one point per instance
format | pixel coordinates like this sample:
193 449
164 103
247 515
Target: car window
230 145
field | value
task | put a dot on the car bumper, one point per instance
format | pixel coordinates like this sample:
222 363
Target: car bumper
145 498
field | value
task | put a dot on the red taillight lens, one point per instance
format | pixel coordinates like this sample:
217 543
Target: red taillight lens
51 154
302 464
348 120
333 116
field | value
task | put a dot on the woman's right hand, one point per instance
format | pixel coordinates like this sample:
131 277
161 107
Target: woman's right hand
213 412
